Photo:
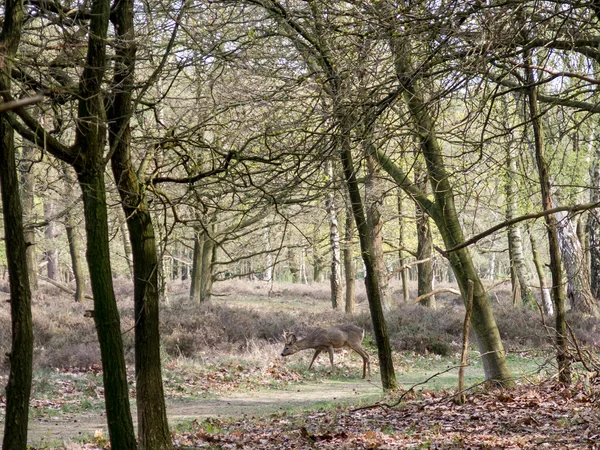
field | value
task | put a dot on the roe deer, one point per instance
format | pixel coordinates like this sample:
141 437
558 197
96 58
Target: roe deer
323 339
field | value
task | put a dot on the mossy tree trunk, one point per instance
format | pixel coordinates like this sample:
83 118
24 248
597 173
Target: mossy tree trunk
388 375
27 175
18 388
442 209
153 428
558 292
424 242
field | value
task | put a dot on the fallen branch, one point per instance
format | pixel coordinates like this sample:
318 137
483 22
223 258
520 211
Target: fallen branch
434 292
62 287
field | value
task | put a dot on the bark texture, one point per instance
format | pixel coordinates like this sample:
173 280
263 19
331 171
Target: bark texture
26 169
18 388
424 243
89 165
73 239
519 274
153 428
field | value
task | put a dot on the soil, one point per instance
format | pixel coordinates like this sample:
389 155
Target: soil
65 428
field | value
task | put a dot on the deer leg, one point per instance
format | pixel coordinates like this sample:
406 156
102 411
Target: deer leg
314 357
366 363
330 350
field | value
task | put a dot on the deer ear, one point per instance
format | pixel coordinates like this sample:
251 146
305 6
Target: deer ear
293 338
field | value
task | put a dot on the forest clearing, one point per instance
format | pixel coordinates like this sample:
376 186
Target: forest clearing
236 391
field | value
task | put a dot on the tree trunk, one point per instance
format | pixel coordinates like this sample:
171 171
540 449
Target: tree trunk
73 239
515 242
153 428
544 291
374 204
401 260
51 233
106 313
89 165
443 211
18 388
334 244
424 242
579 290
558 294
388 376
26 169
207 260
349 266
124 231
594 225
196 276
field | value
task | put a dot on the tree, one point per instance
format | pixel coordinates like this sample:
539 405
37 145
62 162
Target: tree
334 242
87 158
18 388
152 415
27 177
558 294
424 241
311 42
442 210
73 238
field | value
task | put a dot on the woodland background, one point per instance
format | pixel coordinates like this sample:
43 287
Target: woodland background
452 145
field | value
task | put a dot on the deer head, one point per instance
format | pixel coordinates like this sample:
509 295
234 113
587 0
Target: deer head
289 341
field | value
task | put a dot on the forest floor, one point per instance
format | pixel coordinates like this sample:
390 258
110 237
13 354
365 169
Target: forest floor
64 428
335 410
533 416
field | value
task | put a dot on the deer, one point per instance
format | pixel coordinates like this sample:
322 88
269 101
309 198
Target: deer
322 339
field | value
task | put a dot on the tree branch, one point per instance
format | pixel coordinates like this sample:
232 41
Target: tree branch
506 223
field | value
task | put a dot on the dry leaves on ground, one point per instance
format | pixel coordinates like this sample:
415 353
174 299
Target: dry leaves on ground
547 416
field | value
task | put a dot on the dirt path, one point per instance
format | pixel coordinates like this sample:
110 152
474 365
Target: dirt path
65 428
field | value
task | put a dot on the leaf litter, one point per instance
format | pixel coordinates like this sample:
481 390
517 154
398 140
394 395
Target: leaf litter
544 416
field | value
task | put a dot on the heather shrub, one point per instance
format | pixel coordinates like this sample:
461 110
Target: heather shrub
416 328
520 328
248 317
585 328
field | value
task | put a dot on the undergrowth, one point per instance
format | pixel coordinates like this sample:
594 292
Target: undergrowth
248 318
